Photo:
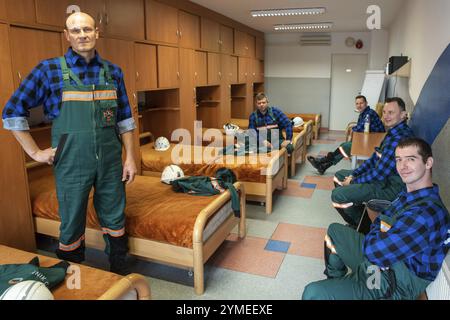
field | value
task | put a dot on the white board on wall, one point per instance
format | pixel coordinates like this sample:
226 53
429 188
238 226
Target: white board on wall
372 86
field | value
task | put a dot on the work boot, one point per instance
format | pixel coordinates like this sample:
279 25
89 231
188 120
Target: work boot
314 162
118 255
323 166
76 255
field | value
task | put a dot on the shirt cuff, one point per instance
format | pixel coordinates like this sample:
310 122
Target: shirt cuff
126 125
16 124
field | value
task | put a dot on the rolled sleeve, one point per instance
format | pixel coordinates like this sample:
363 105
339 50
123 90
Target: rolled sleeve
16 124
126 125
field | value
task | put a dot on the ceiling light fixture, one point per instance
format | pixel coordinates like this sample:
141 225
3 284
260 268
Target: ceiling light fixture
287 12
303 26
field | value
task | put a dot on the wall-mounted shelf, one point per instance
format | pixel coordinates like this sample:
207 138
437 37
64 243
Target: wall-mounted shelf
403 71
160 109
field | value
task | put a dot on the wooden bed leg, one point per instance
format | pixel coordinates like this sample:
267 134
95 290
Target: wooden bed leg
293 160
243 218
269 196
199 284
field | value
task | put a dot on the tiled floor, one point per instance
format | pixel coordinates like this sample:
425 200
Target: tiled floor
281 253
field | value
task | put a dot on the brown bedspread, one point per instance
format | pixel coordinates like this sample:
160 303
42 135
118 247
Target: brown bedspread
153 210
250 168
93 282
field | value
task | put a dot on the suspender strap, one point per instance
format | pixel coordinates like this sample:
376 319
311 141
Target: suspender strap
105 73
67 73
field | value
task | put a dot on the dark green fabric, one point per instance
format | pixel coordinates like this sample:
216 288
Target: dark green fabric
397 283
89 155
203 186
11 274
360 193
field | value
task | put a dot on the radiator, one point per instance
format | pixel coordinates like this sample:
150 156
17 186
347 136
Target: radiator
439 289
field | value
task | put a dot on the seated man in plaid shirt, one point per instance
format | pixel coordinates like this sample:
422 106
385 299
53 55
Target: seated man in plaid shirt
343 151
376 178
268 122
405 248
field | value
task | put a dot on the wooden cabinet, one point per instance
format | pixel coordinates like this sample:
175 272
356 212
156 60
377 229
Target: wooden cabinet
29 47
244 44
226 39
161 22
146 67
210 35
229 68
188 30
20 11
114 17
243 69
168 71
259 48
187 113
125 18
52 12
2 10
214 68
16 225
201 68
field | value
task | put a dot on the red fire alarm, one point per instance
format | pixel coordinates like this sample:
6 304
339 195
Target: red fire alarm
359 44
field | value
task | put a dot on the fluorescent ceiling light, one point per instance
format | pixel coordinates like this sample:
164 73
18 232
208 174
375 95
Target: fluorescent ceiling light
287 12
303 26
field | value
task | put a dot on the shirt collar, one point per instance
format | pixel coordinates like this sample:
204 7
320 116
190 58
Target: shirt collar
74 58
400 126
429 191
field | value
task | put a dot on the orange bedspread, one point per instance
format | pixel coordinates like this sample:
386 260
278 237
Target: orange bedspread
153 210
250 168
94 282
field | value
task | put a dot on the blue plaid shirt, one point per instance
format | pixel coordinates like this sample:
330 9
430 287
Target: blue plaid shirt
280 118
417 237
43 86
375 123
379 168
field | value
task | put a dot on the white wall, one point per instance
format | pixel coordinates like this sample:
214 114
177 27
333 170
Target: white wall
421 32
284 57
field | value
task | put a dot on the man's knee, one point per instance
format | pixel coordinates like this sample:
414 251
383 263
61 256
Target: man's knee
315 291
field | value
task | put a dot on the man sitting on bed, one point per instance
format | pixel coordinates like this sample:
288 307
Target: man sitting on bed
268 122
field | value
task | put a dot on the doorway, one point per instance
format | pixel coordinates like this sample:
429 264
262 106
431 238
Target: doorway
347 77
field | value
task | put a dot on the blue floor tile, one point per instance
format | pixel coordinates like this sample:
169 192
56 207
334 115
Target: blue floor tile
278 246
308 185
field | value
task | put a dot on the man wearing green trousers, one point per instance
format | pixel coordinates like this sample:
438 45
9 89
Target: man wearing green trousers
343 151
376 178
405 248
86 99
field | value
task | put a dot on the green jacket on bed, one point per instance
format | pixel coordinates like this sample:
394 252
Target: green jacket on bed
207 186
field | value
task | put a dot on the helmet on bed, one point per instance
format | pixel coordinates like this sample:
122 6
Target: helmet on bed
297 122
171 173
162 144
27 290
230 129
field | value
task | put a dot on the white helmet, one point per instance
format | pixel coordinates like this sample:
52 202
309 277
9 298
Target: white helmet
27 290
230 129
171 173
297 122
162 144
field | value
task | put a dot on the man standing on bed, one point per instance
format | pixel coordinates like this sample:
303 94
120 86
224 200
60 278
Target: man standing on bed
265 119
86 99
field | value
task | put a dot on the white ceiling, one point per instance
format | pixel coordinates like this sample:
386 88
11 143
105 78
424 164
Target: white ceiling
346 15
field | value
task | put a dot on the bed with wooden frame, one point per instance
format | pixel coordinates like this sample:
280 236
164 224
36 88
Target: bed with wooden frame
163 226
301 138
260 177
316 119
94 284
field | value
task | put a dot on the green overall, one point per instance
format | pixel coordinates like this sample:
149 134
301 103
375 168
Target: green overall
89 155
344 147
397 283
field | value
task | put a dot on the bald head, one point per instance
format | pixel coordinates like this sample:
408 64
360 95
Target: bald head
76 17
82 34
